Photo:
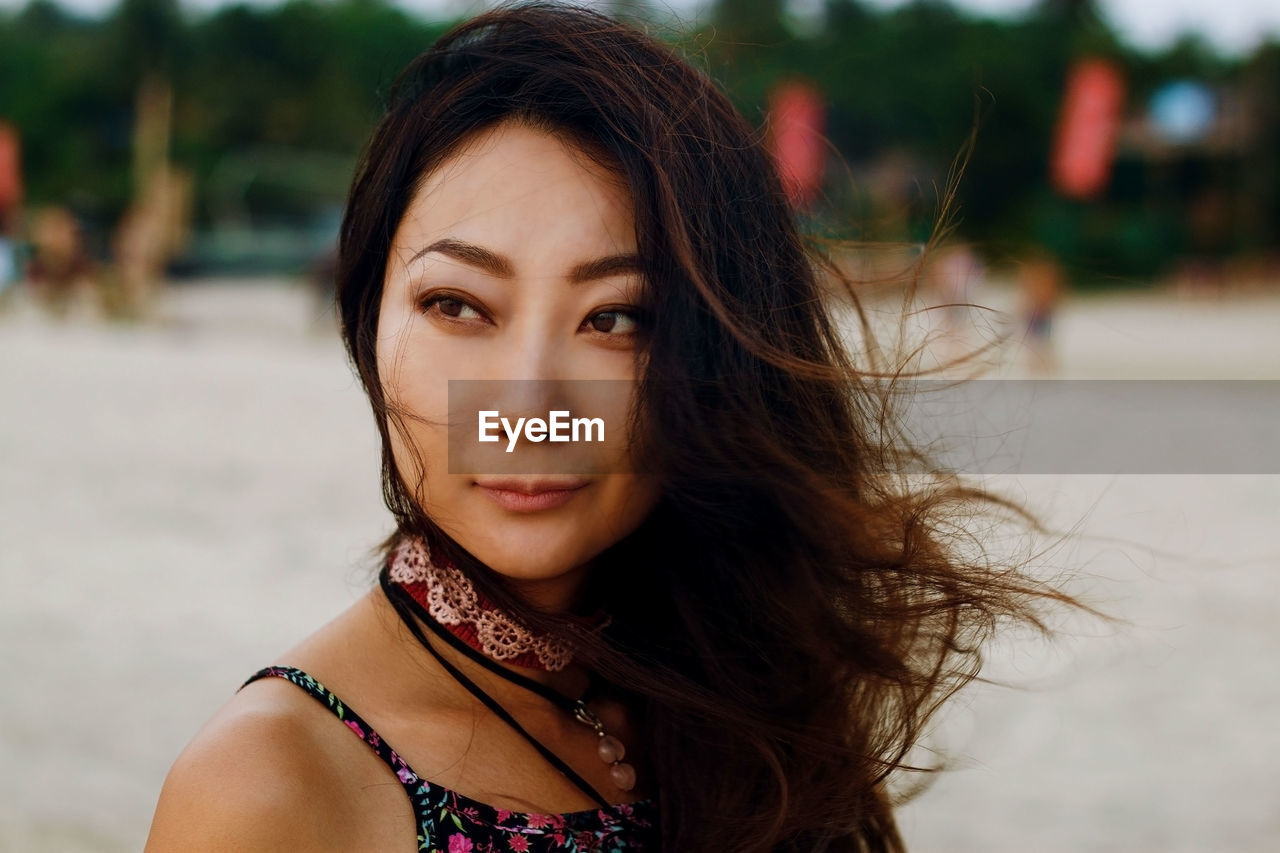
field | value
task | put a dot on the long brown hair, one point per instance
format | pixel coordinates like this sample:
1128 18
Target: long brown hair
793 611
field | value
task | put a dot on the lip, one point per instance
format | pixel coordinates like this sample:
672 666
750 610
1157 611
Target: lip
532 495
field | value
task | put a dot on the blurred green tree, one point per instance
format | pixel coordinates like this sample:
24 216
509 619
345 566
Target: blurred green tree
904 89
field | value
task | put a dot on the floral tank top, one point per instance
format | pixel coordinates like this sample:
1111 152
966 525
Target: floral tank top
448 822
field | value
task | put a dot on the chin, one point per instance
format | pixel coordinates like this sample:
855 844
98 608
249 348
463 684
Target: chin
531 550
534 544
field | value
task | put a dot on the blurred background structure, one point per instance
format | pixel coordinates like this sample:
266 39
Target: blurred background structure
188 474
237 126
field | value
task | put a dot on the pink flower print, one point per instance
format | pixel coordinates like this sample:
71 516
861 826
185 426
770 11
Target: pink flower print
503 815
538 821
471 813
459 844
518 843
355 727
405 774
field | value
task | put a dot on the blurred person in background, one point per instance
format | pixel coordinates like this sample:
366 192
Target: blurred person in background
1042 285
953 276
61 271
147 237
731 642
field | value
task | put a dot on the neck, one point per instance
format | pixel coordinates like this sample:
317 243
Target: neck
477 637
561 594
570 681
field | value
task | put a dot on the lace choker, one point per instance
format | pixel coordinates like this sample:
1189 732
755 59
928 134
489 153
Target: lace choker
441 597
451 599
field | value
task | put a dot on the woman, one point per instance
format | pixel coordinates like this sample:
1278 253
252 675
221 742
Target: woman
725 634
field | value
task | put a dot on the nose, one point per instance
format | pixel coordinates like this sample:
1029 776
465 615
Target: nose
530 365
530 351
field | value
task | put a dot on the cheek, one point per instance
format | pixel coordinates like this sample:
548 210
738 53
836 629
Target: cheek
625 501
416 394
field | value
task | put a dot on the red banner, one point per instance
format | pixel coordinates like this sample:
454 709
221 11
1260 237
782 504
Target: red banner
1087 128
797 121
10 170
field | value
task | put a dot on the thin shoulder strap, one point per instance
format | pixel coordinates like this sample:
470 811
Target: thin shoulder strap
408 778
404 605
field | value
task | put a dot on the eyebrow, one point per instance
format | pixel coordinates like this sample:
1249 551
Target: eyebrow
496 264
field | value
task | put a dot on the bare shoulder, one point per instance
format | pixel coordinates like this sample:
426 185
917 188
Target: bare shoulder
274 769
253 778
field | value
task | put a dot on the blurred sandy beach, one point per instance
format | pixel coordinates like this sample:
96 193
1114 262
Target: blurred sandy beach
181 501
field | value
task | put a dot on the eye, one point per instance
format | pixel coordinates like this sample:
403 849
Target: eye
450 307
615 322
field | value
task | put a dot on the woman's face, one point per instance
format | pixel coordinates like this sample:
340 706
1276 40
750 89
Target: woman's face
514 261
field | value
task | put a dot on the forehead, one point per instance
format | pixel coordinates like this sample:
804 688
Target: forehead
521 191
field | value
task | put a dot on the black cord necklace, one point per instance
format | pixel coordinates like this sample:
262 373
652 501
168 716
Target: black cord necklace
609 748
